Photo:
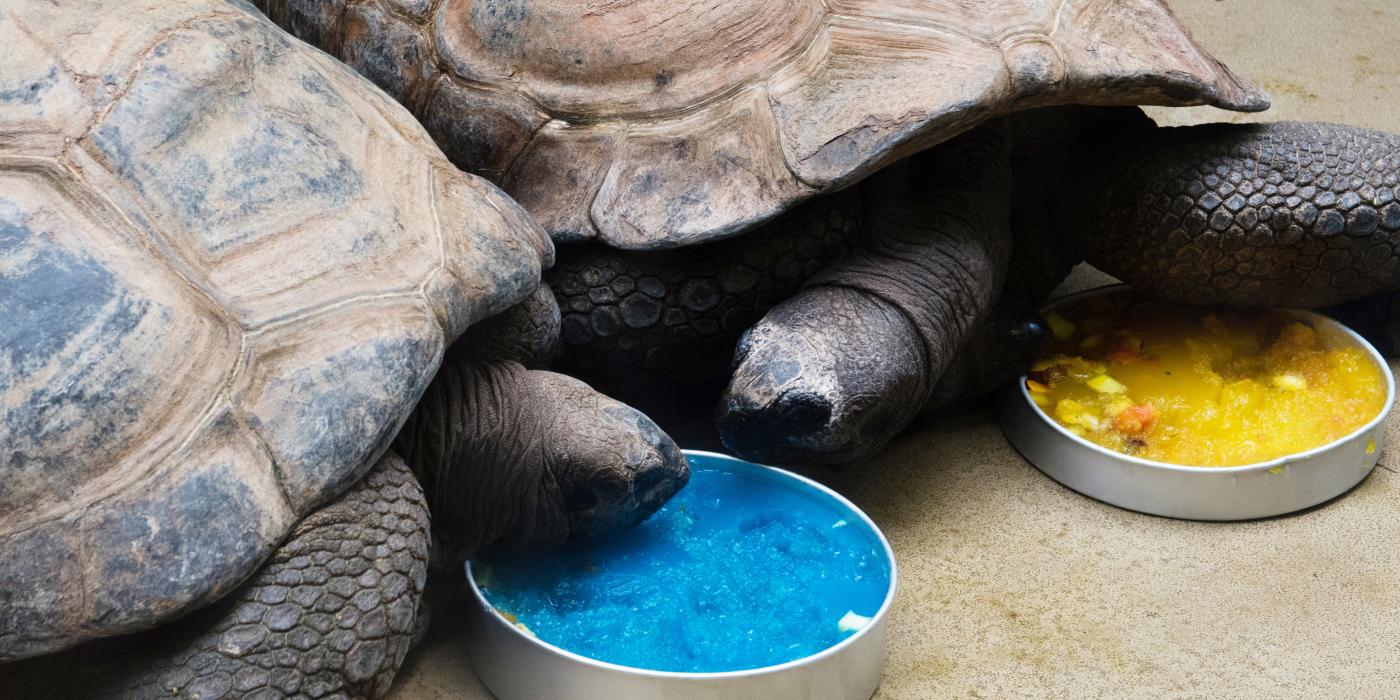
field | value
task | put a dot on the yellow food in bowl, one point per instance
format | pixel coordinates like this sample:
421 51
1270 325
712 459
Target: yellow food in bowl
1201 387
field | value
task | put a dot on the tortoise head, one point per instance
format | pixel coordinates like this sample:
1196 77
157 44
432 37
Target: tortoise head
614 466
522 456
826 377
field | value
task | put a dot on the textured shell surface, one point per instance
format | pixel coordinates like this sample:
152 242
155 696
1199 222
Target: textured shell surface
228 268
660 123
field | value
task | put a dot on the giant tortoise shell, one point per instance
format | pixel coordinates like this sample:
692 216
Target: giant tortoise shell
652 124
648 135
230 267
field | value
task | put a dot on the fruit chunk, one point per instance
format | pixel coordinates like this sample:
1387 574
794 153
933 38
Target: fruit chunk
1117 405
1136 419
1059 325
852 622
1072 412
1105 384
1129 350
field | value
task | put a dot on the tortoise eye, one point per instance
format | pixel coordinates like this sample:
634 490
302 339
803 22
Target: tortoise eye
741 350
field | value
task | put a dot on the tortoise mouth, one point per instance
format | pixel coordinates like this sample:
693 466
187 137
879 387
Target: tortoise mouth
603 500
797 456
801 433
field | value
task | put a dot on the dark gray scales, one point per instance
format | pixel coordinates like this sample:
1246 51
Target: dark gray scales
659 316
1285 214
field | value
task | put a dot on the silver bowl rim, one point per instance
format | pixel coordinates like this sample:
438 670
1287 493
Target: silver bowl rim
832 650
1355 337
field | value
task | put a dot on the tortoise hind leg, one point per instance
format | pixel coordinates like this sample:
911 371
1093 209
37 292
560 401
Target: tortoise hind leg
1284 214
332 613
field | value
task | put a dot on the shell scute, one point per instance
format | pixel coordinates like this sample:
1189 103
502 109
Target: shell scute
854 85
41 106
242 159
43 600
327 394
390 52
869 93
481 131
663 179
95 343
557 176
219 511
625 57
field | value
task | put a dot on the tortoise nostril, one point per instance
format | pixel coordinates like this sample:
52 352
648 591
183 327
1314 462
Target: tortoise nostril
802 412
581 499
654 485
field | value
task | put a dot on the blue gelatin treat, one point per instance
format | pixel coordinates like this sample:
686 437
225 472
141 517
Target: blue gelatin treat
746 567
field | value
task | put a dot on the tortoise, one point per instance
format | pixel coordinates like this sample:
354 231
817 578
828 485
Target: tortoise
231 268
790 167
704 167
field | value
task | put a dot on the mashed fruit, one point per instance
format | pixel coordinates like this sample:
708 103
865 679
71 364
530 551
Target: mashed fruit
1200 387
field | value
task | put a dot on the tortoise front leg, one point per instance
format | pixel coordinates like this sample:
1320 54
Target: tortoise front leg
640 323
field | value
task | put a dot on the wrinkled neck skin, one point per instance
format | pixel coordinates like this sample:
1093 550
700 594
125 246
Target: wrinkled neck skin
527 333
833 373
1003 345
483 465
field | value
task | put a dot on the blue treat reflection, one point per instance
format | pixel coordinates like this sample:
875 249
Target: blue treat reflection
740 570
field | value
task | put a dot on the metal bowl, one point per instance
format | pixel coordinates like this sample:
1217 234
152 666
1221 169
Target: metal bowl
517 666
1259 490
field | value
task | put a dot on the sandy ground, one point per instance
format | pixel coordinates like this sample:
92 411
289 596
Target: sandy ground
1012 586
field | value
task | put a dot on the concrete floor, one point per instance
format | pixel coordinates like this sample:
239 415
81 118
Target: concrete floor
1012 586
